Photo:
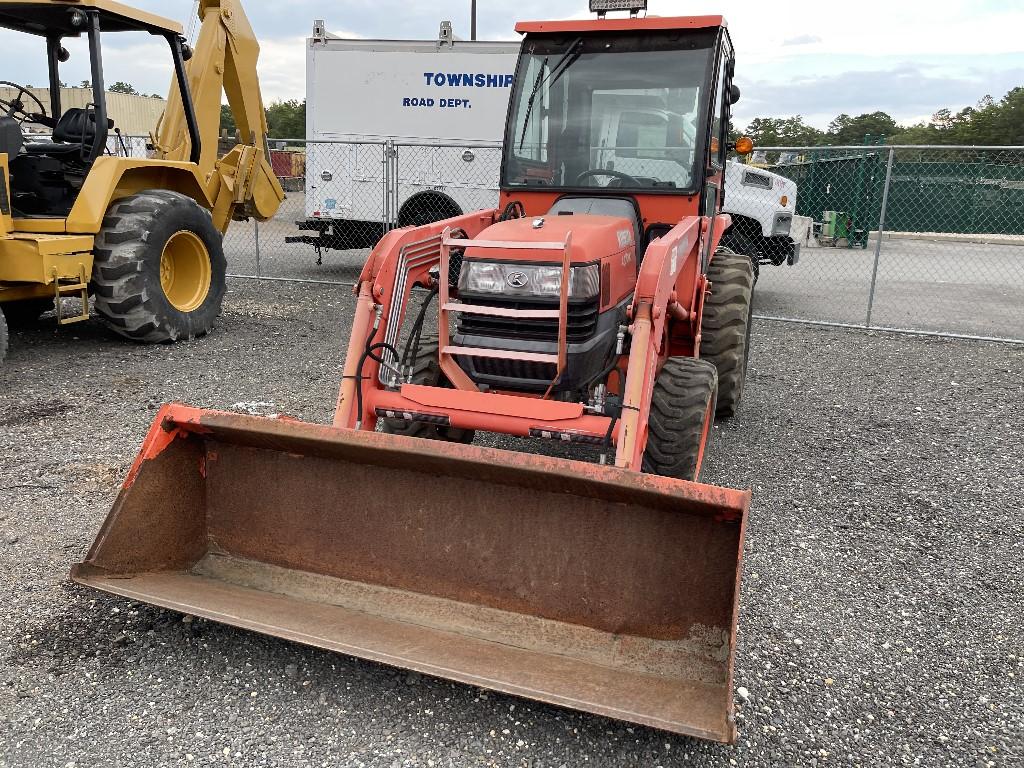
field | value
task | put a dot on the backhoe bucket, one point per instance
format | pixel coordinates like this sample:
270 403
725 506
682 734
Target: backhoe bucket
575 584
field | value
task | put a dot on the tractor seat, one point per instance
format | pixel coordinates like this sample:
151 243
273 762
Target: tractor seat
75 128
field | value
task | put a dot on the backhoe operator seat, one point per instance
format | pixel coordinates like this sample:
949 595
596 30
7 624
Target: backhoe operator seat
75 128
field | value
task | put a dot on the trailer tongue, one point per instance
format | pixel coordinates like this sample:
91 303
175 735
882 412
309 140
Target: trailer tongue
588 587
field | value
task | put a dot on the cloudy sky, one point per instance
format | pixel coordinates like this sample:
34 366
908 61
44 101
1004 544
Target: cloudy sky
906 57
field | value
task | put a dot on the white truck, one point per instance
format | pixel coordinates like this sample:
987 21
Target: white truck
762 204
405 132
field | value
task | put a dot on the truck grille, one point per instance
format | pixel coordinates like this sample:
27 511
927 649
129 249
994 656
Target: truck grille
581 322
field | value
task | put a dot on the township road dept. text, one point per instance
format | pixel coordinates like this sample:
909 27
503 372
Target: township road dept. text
455 80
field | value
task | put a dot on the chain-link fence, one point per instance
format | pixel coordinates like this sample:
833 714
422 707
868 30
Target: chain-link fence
927 239
349 194
924 239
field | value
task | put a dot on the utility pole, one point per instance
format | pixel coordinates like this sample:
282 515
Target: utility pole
472 22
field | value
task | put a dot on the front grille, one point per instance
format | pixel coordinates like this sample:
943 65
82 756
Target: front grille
581 322
521 370
752 179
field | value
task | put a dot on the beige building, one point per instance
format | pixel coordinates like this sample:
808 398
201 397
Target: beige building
134 115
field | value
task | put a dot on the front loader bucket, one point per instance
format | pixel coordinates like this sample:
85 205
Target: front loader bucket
580 585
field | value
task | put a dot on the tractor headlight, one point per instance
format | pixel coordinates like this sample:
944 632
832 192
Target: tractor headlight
502 279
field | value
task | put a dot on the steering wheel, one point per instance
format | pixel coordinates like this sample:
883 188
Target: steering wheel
16 107
604 172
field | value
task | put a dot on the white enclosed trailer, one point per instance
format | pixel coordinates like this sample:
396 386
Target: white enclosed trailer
404 132
398 132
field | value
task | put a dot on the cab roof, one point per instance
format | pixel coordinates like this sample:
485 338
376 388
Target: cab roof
647 23
42 17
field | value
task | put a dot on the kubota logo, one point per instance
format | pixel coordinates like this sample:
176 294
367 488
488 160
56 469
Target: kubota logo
517 279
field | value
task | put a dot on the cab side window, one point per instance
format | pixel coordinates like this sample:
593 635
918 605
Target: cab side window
719 118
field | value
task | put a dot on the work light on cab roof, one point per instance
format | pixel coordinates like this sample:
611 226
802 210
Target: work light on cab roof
601 7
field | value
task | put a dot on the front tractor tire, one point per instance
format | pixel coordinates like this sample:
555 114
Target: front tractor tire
427 371
682 414
725 327
159 269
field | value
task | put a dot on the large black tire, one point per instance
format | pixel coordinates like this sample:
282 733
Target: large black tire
725 328
159 272
427 371
735 240
426 208
3 338
682 414
26 311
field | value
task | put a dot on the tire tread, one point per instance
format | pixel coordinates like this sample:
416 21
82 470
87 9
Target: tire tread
679 405
725 327
124 298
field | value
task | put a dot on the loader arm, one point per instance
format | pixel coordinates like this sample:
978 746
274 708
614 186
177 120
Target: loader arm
242 184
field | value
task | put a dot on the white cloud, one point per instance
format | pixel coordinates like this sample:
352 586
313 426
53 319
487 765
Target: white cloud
282 68
802 40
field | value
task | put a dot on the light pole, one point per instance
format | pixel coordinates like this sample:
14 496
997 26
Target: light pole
472 21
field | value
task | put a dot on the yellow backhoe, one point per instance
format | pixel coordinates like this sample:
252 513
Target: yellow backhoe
141 235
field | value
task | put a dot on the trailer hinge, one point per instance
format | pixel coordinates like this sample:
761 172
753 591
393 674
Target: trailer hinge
319 31
446 35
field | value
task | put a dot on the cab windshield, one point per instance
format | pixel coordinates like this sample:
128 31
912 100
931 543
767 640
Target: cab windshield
609 111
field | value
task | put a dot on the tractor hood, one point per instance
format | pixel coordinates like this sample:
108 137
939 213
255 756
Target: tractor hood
592 237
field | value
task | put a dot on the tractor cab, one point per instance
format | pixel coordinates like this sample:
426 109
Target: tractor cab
51 146
617 130
631 109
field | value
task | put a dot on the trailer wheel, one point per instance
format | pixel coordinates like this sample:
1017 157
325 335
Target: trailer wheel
427 371
26 311
3 338
735 240
682 413
725 328
426 208
159 269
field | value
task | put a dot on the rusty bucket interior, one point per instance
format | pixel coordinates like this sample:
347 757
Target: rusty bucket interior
575 584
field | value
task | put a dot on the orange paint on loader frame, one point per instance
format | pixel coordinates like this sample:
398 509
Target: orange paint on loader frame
603 314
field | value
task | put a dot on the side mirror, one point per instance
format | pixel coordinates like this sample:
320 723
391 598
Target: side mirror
734 93
62 54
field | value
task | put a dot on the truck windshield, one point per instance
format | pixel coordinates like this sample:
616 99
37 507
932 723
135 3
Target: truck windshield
619 111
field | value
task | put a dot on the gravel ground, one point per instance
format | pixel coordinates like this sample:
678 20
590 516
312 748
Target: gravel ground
881 612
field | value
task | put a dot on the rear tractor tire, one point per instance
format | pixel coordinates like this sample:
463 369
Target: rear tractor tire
159 270
735 240
725 328
427 371
682 414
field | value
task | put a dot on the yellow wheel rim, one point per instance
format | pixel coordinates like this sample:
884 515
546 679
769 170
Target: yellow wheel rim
185 271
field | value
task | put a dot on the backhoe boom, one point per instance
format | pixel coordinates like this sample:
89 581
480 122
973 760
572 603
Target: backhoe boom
242 183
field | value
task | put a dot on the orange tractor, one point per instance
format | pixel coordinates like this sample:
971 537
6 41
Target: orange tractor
593 306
